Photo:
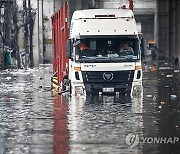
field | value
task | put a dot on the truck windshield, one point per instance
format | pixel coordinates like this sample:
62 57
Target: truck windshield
107 50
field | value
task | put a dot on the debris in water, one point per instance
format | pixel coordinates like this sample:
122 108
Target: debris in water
176 71
162 103
40 87
169 76
8 78
165 68
173 96
154 98
149 96
5 99
145 67
154 69
162 74
40 78
48 88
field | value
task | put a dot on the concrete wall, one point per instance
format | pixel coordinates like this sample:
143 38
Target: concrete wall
57 4
42 31
166 21
42 47
21 32
168 29
38 33
144 11
47 30
75 5
139 5
45 9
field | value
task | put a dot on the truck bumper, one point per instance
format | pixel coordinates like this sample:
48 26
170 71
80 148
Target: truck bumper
108 82
108 88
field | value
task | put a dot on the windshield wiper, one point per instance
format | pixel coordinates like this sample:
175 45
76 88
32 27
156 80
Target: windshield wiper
107 59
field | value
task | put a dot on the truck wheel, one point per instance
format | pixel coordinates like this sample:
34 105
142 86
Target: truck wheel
66 84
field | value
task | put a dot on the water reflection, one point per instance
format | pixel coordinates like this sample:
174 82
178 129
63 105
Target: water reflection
60 130
160 111
34 121
168 101
25 112
2 146
100 124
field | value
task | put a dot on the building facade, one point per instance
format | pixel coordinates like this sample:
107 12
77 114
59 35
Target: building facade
168 35
42 38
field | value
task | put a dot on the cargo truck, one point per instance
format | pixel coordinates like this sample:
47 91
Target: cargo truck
99 53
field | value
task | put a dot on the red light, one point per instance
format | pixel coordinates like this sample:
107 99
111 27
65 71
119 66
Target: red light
123 7
131 6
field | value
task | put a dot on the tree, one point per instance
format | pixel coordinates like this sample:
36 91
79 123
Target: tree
11 28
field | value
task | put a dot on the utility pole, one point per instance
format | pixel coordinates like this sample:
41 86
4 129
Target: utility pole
28 20
8 32
31 27
10 29
40 29
26 34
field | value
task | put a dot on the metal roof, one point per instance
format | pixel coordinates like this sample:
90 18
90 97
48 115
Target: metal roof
91 13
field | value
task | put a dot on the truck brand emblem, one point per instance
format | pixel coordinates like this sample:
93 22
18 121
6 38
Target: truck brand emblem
107 76
128 65
89 65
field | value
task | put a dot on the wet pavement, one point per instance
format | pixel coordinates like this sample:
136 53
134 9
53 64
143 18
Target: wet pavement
34 121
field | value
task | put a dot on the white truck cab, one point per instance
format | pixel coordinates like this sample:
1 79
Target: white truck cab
104 52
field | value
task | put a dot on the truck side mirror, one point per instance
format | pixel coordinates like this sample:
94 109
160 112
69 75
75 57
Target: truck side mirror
68 48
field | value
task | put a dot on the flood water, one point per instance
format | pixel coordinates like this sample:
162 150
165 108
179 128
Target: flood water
34 121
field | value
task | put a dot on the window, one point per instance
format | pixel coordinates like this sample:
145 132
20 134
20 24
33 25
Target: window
107 49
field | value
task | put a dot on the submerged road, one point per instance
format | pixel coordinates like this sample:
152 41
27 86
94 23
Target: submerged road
33 121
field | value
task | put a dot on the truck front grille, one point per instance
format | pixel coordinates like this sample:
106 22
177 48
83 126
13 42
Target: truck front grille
120 81
107 76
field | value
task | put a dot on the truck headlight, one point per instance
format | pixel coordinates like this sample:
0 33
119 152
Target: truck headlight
137 89
79 90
